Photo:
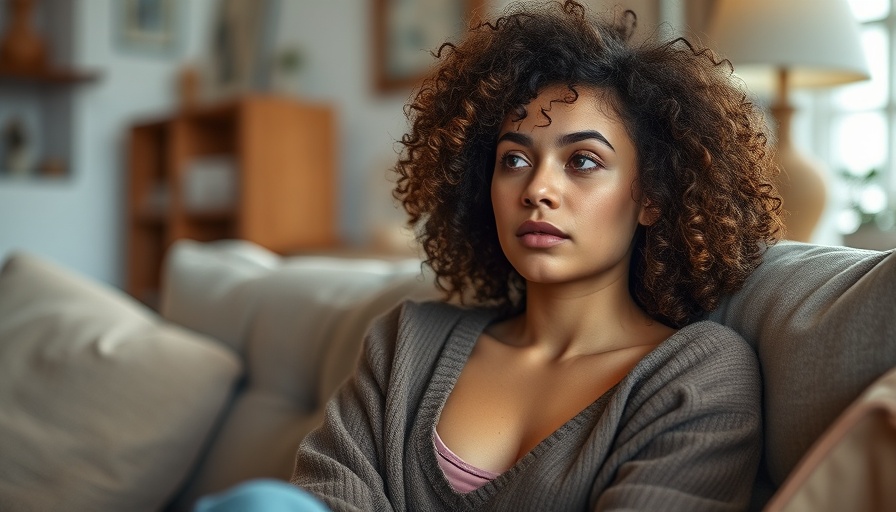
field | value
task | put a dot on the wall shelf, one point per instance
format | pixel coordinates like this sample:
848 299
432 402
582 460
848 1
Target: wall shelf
48 76
38 89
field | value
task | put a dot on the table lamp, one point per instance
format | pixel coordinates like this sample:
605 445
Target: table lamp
788 44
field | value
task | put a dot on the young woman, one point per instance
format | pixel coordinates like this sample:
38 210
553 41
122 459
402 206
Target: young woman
586 199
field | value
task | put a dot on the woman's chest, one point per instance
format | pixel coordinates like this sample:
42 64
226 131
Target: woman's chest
501 408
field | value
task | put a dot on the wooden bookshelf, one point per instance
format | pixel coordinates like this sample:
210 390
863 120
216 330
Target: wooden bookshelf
284 155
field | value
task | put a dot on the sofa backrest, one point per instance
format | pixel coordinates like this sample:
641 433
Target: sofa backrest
297 323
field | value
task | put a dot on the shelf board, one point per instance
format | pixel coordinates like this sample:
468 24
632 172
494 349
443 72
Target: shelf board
151 216
211 215
33 179
46 76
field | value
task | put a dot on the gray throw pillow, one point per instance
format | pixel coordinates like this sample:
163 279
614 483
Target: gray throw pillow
823 321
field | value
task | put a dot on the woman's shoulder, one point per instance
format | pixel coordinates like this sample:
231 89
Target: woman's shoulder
410 312
430 322
435 314
409 339
702 352
703 366
713 340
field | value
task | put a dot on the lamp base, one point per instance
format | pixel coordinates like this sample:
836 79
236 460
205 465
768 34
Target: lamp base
801 183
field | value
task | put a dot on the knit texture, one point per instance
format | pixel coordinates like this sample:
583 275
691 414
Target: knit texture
682 431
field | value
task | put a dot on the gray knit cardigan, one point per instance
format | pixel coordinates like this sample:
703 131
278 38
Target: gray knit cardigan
682 431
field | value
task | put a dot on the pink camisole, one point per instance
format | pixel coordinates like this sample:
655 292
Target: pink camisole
463 477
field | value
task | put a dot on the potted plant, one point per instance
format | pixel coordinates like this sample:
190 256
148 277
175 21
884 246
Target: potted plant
867 221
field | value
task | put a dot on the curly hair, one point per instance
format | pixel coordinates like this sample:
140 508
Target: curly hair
704 165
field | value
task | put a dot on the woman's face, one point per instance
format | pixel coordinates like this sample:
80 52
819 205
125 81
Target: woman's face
563 193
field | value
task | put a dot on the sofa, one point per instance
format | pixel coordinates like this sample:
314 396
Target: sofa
108 404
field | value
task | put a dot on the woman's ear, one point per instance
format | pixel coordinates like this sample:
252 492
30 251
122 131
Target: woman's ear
650 213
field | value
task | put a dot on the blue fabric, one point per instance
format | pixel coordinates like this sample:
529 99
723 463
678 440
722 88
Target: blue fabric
262 495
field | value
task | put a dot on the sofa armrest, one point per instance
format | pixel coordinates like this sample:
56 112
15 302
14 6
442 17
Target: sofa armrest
851 467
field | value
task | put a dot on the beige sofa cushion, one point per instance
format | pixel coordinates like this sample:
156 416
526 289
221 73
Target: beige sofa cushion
299 323
104 405
823 320
207 288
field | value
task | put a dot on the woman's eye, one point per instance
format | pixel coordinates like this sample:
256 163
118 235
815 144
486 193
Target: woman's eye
583 163
514 161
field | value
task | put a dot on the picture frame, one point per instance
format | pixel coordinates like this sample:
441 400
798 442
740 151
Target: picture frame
407 31
240 47
148 27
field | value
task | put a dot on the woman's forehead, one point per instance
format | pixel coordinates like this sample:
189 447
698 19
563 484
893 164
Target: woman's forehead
562 99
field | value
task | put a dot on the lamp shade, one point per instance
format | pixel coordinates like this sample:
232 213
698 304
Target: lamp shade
816 41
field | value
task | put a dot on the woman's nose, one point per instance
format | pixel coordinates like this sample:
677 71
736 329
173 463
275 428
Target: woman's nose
541 191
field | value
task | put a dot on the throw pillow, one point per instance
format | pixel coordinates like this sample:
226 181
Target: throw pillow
822 321
103 405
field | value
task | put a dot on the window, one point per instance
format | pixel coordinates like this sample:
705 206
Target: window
860 130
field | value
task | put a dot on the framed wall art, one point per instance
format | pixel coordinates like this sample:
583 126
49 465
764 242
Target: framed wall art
406 31
239 55
148 27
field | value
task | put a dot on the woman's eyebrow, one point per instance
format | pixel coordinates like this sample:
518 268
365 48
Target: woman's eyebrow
564 140
572 138
518 138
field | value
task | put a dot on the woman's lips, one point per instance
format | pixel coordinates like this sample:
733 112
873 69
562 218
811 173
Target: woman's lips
540 235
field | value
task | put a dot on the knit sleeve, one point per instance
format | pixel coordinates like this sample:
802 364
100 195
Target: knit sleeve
692 441
341 462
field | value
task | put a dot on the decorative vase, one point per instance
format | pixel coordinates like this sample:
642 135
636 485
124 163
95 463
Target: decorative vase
21 48
188 87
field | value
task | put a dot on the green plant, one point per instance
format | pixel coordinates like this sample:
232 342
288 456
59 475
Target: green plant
290 60
867 202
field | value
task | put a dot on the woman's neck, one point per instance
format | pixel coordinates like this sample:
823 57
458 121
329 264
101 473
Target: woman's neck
562 322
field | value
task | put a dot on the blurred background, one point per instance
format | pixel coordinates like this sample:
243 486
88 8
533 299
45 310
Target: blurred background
127 124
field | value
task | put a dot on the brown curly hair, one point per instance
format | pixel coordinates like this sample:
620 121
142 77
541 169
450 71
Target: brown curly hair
703 157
